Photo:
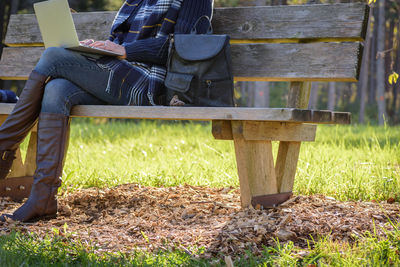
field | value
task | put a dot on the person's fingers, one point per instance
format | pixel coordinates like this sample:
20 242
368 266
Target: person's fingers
87 41
98 44
110 46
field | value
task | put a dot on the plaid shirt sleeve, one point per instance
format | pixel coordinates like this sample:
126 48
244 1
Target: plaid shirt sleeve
155 50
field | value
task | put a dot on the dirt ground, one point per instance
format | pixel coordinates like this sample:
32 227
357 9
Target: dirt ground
132 216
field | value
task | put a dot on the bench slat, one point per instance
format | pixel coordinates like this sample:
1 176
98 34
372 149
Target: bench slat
264 62
334 21
331 22
203 113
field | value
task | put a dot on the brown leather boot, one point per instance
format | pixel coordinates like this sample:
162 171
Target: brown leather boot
21 120
53 134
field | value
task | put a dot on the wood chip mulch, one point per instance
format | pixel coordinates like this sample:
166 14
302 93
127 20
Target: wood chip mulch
131 217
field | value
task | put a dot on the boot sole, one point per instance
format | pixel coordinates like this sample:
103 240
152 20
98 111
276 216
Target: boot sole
42 218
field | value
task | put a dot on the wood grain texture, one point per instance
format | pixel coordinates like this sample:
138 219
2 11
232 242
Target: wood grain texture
264 131
30 159
275 131
3 118
256 170
340 21
288 153
340 117
222 130
17 168
16 188
299 94
286 165
293 22
283 62
195 113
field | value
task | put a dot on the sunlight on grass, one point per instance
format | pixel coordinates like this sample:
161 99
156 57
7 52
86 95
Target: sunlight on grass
345 162
30 250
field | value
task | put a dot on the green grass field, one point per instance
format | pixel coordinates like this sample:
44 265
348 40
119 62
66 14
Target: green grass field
345 162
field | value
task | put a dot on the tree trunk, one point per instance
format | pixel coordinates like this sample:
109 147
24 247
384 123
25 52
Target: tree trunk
4 14
396 87
389 44
255 88
372 81
313 96
250 93
14 6
331 95
380 66
266 94
261 96
364 74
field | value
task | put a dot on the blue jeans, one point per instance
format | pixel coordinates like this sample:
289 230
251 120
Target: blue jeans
77 80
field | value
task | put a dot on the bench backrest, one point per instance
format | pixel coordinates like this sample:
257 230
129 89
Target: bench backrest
272 43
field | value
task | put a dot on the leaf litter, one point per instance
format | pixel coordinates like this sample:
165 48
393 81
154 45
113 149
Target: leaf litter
132 216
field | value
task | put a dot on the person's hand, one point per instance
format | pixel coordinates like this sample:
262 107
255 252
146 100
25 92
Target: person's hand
110 46
87 42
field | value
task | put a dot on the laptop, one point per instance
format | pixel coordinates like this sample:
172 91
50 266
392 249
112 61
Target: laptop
58 28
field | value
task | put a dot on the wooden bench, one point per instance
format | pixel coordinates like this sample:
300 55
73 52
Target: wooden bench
299 44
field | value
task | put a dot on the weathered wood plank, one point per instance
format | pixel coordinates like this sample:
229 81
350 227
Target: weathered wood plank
275 131
265 131
299 94
17 168
30 158
286 165
17 188
195 113
222 130
255 165
340 117
270 62
337 21
288 153
342 21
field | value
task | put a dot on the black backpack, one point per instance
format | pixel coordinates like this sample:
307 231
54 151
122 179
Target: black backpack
199 70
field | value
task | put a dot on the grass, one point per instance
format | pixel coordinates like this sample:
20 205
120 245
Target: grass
29 250
346 162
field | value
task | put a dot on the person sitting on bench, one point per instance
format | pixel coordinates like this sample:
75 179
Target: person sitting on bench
63 78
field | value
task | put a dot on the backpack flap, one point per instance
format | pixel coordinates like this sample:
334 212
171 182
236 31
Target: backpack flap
196 47
178 81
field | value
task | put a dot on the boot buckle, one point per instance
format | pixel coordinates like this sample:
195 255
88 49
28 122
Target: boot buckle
4 155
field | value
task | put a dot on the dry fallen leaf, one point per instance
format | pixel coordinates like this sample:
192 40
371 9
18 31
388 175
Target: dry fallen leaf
119 219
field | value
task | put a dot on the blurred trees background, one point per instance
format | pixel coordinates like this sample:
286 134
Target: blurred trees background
372 100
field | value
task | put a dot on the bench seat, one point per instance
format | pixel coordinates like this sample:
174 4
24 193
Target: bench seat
206 113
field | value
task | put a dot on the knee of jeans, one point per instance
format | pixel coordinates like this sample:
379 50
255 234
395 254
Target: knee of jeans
52 52
49 57
55 98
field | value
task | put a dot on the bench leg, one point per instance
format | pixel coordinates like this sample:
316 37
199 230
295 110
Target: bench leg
261 181
256 170
18 168
18 183
30 159
286 165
